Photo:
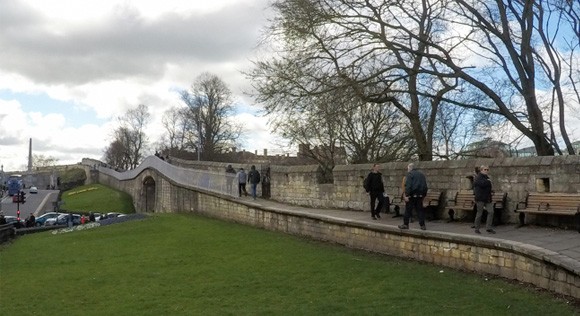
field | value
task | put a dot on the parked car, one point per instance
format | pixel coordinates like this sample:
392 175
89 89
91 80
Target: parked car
62 219
33 190
110 215
40 220
14 221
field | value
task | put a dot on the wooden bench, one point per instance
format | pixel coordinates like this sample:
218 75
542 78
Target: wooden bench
431 200
559 204
465 201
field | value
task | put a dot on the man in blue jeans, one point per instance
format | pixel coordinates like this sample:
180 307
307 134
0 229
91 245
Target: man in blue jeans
254 179
482 189
415 192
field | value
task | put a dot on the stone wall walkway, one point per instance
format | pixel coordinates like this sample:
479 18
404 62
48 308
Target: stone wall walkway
564 242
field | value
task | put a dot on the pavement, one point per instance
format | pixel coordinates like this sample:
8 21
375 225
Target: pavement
564 242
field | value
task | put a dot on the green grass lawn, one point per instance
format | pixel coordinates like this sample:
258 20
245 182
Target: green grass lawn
181 264
97 198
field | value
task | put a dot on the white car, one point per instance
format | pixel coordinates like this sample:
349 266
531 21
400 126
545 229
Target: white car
33 190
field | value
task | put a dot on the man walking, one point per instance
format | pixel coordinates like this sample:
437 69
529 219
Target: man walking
242 178
415 192
375 188
254 179
482 189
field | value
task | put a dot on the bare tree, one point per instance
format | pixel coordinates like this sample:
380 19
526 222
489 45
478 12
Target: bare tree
178 131
346 47
414 53
115 155
376 133
209 118
129 140
316 132
520 45
40 161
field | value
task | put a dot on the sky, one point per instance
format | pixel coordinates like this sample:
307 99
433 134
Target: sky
69 69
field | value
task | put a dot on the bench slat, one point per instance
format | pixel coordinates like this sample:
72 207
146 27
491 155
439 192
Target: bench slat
551 203
549 212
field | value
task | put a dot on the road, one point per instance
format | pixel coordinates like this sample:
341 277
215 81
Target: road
38 203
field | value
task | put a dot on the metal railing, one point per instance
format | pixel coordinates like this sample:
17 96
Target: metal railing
207 180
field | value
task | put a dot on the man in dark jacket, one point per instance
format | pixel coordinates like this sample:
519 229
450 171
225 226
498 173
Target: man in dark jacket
482 189
254 179
415 192
376 189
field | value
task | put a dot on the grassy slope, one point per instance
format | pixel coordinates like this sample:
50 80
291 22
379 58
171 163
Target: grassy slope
188 265
97 198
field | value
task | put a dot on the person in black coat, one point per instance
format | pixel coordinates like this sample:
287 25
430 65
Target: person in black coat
375 188
483 190
415 191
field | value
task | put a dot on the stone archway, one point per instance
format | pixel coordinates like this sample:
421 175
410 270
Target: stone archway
149 189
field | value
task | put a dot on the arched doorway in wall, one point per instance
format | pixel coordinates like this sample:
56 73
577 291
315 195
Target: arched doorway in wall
149 189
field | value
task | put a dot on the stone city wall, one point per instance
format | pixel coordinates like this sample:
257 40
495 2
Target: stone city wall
516 176
298 184
508 259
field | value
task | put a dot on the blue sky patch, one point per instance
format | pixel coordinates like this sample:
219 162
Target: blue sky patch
42 103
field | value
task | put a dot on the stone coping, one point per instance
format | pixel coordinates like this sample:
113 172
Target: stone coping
527 250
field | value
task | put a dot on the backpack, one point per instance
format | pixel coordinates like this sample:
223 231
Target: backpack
254 176
366 184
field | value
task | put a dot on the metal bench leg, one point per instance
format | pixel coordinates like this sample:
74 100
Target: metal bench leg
451 215
397 211
522 219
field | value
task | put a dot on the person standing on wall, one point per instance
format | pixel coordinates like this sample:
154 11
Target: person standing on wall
242 178
415 191
376 189
230 176
254 179
482 189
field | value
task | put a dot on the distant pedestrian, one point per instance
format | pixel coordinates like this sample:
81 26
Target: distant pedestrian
376 189
254 179
83 219
230 176
2 219
91 217
242 178
31 221
483 191
415 192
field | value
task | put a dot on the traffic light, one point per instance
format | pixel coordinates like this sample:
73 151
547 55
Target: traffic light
22 197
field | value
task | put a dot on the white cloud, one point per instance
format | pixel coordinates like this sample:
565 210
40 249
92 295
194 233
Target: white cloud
100 58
